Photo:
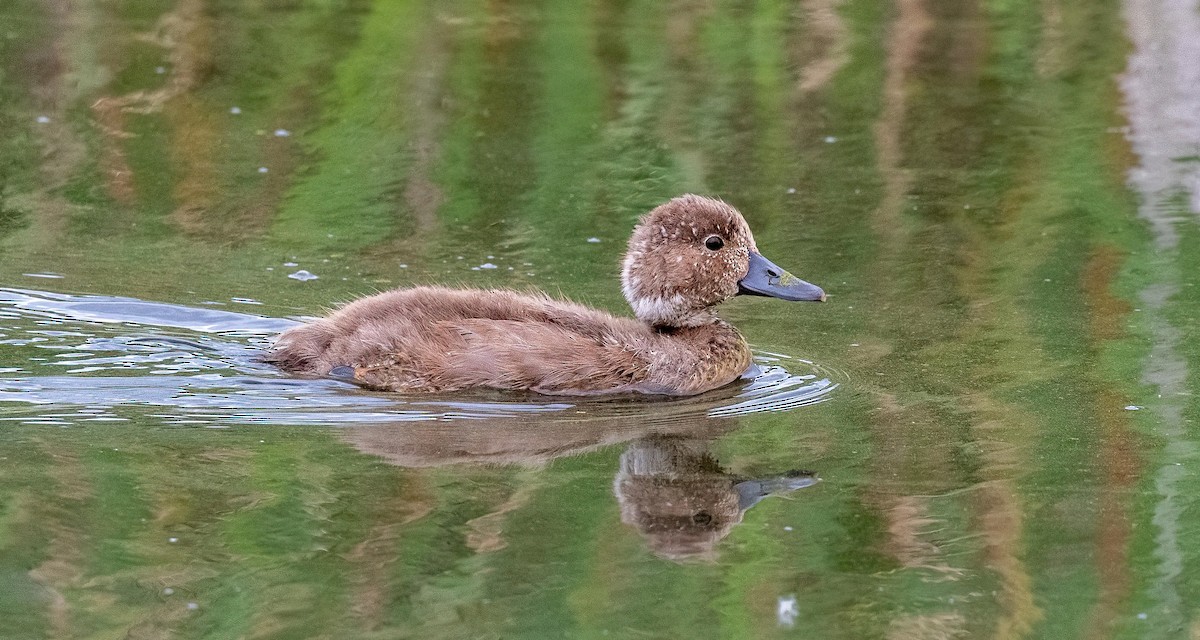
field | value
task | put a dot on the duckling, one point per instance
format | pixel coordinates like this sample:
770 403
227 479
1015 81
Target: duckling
684 257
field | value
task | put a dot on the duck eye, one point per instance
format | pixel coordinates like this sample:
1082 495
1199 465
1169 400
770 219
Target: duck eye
714 243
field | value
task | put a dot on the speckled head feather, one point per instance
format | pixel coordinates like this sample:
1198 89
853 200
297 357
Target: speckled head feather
685 257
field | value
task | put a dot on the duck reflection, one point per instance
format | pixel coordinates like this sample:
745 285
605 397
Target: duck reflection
669 486
676 494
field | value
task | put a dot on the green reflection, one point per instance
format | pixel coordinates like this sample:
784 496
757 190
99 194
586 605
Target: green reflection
953 174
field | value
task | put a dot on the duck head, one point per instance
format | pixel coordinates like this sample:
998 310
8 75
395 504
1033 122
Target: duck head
690 254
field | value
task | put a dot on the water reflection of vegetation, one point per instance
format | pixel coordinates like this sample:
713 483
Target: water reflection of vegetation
957 182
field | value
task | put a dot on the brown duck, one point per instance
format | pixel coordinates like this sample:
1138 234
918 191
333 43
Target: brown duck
684 258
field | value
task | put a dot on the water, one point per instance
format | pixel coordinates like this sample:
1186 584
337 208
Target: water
999 197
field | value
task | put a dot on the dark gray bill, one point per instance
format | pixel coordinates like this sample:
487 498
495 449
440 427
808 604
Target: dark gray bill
766 278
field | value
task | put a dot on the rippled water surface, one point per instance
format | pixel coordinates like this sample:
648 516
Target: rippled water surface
988 431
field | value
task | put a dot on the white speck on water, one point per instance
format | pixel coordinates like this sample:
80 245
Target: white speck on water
403 266
245 300
172 540
237 111
42 275
491 257
488 265
160 70
43 120
282 133
303 275
593 240
290 264
510 268
787 611
830 139
787 528
1142 616
791 190
270 268
168 591
966 206
1047 280
474 268
263 170
854 344
192 606
1132 407
458 257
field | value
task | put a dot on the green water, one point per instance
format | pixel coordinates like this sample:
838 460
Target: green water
1000 197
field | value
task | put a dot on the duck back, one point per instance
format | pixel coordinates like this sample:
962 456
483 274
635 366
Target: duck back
441 339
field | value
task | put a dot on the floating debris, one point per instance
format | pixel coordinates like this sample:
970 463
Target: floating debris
593 240
168 591
282 133
303 276
54 276
791 190
43 119
830 139
787 611
245 300
237 111
488 265
290 264
263 170
1132 407
160 70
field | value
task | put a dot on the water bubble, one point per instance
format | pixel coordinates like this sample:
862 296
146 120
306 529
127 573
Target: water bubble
172 540
830 139
282 133
303 275
235 110
791 190
263 170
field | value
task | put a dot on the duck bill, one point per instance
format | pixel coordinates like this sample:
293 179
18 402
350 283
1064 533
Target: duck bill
766 278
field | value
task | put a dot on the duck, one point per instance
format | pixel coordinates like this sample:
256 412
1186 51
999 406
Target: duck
683 259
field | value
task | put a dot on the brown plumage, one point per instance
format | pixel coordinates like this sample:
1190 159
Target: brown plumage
684 257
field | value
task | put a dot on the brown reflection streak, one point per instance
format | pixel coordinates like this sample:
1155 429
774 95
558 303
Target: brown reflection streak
427 121
63 568
374 555
1119 462
909 30
52 87
487 531
182 34
825 45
